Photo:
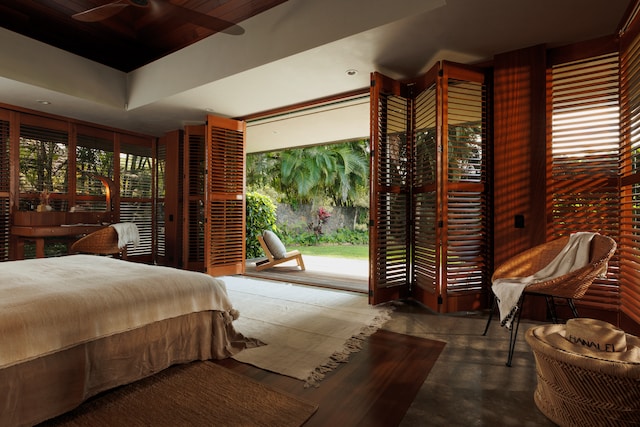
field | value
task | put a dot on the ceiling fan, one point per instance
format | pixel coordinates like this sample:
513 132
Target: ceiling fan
108 10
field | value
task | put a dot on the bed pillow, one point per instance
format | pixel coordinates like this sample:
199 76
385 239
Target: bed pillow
275 245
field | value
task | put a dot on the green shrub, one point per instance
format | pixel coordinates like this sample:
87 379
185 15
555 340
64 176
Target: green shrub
342 236
346 236
261 215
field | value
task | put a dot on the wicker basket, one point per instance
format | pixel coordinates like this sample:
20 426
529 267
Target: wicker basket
579 390
100 242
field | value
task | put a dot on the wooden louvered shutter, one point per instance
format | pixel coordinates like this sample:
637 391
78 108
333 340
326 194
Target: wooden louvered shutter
225 199
389 199
160 197
629 245
193 198
583 186
5 184
429 207
464 178
426 210
136 192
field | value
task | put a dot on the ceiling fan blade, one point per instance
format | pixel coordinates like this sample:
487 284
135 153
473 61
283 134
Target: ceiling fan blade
207 21
101 12
108 10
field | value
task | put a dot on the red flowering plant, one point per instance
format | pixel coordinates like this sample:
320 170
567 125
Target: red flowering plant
322 217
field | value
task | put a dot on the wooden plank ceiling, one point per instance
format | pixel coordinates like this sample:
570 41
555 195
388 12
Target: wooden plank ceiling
127 34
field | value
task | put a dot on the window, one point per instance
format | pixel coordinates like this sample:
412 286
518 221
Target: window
630 166
94 170
136 191
583 186
43 166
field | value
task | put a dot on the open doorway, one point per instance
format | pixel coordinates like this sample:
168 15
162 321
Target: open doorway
315 172
319 199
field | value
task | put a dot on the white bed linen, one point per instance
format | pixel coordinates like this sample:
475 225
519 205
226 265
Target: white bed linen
50 304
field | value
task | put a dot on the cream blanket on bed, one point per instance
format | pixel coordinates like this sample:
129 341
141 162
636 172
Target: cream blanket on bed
573 256
51 304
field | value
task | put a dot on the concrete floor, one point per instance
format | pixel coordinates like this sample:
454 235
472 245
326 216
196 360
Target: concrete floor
470 385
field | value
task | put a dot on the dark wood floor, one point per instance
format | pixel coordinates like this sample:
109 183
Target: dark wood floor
375 388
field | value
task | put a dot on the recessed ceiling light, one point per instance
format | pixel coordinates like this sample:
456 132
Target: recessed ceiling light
43 102
352 72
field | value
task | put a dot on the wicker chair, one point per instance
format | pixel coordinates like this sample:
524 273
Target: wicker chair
100 242
570 286
582 390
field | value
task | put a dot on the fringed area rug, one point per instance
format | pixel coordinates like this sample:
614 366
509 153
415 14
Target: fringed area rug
307 331
196 394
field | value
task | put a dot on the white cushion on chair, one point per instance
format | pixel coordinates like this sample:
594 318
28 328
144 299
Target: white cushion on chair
275 245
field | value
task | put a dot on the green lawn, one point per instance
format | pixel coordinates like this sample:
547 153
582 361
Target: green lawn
338 251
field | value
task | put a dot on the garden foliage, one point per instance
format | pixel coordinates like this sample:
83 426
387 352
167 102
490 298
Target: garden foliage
261 215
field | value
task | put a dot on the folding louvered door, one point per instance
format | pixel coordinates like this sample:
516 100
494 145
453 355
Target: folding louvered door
389 200
426 208
428 196
225 201
213 200
465 205
193 212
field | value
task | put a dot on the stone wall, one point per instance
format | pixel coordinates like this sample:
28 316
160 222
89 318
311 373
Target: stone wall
299 218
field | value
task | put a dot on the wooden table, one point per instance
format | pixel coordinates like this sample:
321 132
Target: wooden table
37 234
37 226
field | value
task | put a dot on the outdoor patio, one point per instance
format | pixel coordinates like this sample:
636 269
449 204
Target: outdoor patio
330 272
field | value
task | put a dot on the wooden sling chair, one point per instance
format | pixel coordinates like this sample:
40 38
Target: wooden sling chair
273 260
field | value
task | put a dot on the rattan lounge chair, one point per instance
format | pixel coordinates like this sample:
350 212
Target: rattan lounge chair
571 286
100 242
272 261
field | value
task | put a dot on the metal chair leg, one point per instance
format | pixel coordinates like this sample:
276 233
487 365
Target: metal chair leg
494 305
514 333
551 306
574 310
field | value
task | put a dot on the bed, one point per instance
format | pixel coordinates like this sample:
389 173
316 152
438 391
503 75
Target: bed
74 326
